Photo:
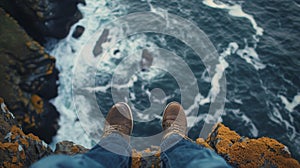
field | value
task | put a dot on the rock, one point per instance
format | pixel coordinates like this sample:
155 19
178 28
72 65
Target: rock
28 80
149 157
16 148
244 152
202 142
146 60
102 39
44 18
20 150
78 31
69 148
6 120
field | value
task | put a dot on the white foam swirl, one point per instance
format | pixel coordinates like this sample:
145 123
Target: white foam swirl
247 53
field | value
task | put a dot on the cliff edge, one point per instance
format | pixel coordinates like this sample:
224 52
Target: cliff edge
21 150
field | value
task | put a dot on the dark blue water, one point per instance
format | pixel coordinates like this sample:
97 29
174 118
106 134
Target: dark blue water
257 91
262 77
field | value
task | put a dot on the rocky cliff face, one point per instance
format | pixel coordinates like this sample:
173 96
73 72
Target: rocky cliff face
27 80
44 18
18 149
244 152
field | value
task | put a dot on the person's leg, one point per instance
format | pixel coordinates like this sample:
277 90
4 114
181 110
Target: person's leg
179 152
65 161
113 150
104 154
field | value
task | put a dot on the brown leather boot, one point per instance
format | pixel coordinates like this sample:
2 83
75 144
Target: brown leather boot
174 120
119 119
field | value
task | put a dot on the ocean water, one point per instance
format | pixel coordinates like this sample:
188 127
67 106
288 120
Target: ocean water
258 52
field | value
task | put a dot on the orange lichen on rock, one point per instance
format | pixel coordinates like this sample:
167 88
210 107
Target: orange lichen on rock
201 141
157 154
12 165
16 132
12 147
147 150
224 138
260 152
14 159
16 148
33 137
27 119
136 159
149 157
244 152
74 149
50 69
21 149
34 46
38 103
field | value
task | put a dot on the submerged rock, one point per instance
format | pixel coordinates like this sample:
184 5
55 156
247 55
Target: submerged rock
98 49
146 60
44 18
78 31
28 80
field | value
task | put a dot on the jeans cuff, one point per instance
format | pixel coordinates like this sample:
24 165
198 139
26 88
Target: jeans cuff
171 141
116 138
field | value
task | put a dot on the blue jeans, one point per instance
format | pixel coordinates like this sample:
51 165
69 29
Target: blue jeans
182 154
187 154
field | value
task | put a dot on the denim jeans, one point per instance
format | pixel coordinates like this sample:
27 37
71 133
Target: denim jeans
187 154
182 154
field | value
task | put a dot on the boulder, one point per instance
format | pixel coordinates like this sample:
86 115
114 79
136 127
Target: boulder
27 80
78 31
69 148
